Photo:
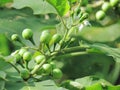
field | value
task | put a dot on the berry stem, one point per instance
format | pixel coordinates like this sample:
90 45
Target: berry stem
48 47
32 41
70 55
36 69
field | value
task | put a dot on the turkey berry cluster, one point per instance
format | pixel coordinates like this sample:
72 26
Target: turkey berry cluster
43 65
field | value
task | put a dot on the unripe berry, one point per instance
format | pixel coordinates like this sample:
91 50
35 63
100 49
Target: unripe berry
114 2
22 51
56 38
15 37
47 68
27 34
18 57
45 37
27 56
53 65
100 15
106 6
39 58
25 74
57 73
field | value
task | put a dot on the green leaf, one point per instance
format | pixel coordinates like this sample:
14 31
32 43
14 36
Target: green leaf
43 85
91 80
113 87
38 6
2 84
4 49
2 75
96 86
2 2
2 80
113 52
101 34
62 6
109 51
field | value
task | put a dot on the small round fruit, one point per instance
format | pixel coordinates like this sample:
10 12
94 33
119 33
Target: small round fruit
18 57
27 56
57 73
27 33
100 15
45 37
114 2
53 65
47 68
39 58
106 6
22 51
56 38
25 74
15 37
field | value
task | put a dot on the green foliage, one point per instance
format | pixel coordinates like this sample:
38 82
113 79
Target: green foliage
38 6
69 54
95 34
2 2
62 6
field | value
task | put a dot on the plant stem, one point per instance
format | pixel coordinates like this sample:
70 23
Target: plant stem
67 29
36 69
31 39
71 55
48 47
70 50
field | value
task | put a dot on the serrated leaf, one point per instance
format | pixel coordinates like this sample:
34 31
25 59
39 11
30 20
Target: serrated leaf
62 6
38 6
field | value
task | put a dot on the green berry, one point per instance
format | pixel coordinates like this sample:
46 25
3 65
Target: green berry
53 65
15 37
114 2
106 6
56 38
100 15
27 34
22 51
47 68
27 56
57 73
39 58
45 37
18 57
25 74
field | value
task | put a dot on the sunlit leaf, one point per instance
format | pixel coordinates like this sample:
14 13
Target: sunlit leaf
62 6
38 6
